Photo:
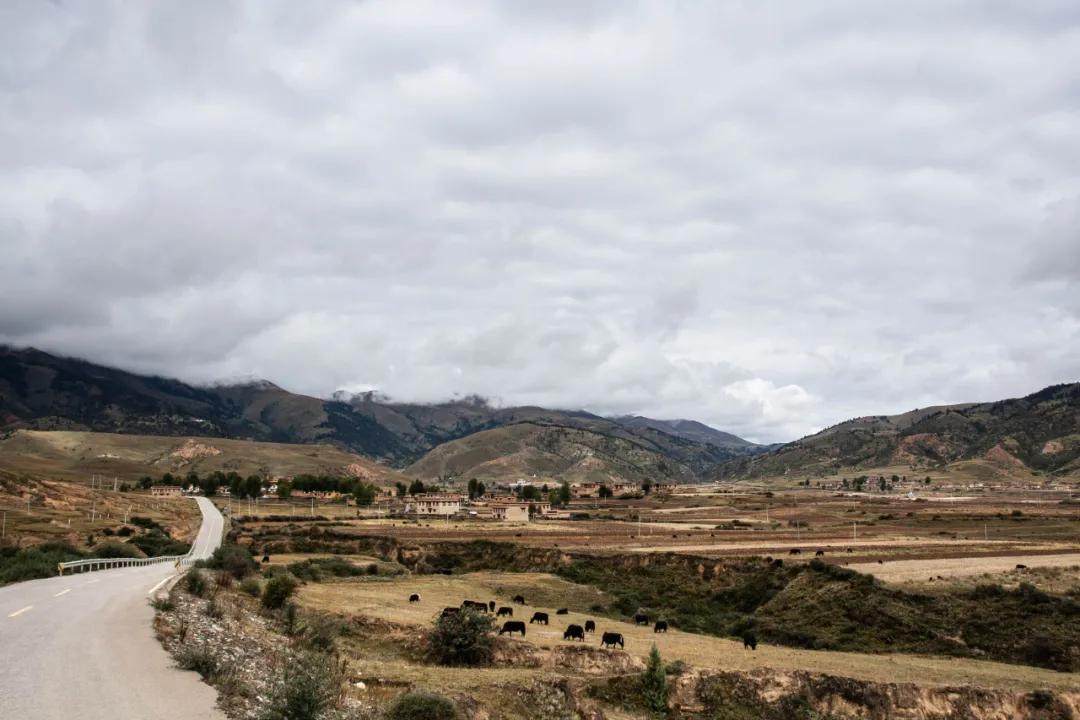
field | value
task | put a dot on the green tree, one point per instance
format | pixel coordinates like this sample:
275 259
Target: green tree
364 494
605 492
646 486
208 485
654 683
145 482
253 486
401 489
284 489
564 494
416 487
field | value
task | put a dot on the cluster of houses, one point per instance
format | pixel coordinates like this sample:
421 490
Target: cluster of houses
504 505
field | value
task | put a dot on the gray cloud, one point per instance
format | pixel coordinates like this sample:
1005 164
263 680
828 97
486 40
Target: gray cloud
767 218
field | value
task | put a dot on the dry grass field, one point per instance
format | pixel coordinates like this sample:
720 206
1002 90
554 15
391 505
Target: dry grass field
387 599
41 511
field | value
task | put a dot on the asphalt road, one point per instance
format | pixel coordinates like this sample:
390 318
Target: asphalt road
83 646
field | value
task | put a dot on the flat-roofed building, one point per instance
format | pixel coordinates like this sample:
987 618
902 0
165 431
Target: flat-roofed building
510 512
166 491
434 504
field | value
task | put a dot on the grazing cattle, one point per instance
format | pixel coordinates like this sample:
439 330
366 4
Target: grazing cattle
590 626
266 557
819 553
491 606
641 619
475 604
777 563
414 598
660 626
519 599
880 562
1021 567
768 558
539 618
512 626
505 611
850 550
448 611
562 611
612 639
794 551
574 632
749 640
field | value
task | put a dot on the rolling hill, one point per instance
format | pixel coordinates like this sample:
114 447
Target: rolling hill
41 391
73 455
533 450
1039 432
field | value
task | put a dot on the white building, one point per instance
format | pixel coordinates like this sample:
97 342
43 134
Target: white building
434 504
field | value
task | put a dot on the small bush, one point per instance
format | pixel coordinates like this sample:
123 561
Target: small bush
223 580
251 586
309 686
277 592
463 638
421 706
195 583
320 631
199 659
114 549
163 604
34 562
213 610
233 559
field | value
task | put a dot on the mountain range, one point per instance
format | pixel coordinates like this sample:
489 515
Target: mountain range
42 391
471 438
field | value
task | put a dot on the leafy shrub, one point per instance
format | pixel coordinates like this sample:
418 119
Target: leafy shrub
18 564
195 583
317 569
654 683
277 591
320 631
156 543
114 549
309 687
233 559
251 586
462 638
421 706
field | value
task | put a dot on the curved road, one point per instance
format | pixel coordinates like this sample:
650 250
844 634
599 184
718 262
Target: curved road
83 646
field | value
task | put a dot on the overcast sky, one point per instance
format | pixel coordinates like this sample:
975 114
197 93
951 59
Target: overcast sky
766 216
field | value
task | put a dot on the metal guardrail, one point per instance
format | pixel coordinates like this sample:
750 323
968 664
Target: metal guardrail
91 564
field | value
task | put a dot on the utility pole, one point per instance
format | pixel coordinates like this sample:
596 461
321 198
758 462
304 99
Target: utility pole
854 531
93 511
986 532
3 526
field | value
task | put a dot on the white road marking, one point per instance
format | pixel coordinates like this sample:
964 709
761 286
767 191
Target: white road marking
20 612
152 590
90 582
62 592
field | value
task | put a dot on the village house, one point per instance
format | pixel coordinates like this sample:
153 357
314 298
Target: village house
510 511
664 488
166 491
625 488
440 504
584 490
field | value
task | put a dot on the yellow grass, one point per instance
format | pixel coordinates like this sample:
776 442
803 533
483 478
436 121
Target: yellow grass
388 599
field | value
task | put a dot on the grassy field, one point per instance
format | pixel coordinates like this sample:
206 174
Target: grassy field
387 599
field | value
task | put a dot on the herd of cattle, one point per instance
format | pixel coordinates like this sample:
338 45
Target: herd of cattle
573 631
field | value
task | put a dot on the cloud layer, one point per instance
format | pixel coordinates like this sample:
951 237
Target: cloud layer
765 217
